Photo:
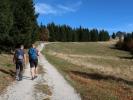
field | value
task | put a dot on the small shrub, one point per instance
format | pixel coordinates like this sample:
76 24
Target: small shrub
119 45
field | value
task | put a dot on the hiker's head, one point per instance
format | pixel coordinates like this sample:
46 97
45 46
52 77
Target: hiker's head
33 45
21 46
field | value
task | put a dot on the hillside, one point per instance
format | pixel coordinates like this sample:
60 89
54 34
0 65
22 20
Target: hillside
95 69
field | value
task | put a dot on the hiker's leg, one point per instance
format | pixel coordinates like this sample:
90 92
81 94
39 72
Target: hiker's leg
21 70
17 70
36 72
36 69
17 73
32 69
32 72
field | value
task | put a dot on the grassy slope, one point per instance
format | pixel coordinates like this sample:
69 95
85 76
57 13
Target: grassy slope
90 82
6 71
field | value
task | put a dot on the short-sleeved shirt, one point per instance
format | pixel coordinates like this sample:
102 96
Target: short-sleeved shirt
19 54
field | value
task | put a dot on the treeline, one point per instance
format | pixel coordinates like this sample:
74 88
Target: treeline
65 33
119 34
18 24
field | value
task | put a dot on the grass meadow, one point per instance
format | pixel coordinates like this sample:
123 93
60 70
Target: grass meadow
96 70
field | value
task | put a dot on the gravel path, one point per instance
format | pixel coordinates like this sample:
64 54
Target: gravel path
60 88
21 90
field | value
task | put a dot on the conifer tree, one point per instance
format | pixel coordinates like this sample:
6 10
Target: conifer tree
6 22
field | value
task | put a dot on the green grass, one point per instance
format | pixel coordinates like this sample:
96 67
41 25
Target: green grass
87 48
105 87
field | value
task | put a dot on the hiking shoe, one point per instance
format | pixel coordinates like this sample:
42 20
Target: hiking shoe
36 76
17 78
32 78
20 79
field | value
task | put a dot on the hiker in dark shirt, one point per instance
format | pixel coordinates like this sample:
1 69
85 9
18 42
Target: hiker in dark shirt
19 59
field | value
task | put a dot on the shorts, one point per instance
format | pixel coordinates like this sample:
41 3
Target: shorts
33 63
19 65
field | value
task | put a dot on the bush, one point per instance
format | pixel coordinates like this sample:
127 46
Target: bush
125 45
119 45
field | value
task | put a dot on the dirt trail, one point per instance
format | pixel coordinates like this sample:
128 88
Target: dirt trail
24 90
20 90
60 88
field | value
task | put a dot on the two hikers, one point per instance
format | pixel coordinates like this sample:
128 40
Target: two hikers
20 60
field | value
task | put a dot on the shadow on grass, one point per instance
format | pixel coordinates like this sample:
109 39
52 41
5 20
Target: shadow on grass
130 58
96 76
126 58
9 72
120 49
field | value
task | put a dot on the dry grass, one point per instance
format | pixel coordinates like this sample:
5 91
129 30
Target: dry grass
7 71
102 87
97 71
43 88
99 63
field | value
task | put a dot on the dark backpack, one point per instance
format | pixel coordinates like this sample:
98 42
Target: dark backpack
19 54
32 53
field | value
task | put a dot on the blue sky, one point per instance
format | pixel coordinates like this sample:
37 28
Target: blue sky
111 15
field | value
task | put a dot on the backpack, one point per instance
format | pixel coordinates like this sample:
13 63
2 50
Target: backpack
32 53
19 54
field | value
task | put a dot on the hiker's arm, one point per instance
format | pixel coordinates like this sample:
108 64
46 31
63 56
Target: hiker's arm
38 52
25 58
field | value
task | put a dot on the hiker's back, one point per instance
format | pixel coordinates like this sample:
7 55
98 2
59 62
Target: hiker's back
32 53
19 54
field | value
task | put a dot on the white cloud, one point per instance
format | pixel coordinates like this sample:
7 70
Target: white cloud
65 8
58 9
43 8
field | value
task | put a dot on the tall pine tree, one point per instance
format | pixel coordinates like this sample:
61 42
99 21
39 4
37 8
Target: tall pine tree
25 27
6 22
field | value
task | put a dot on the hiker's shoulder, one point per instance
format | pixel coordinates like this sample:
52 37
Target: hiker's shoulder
16 50
21 51
30 49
